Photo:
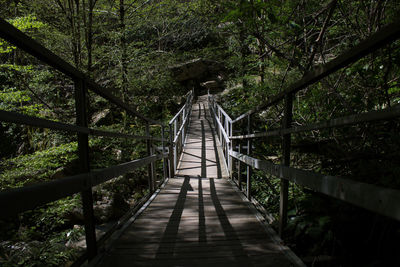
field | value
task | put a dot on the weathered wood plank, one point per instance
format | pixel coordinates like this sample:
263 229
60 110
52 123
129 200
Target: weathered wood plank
379 199
199 219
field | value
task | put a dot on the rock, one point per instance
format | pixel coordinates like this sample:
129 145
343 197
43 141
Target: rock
117 153
60 173
80 244
196 69
103 210
189 70
75 215
102 117
119 206
211 84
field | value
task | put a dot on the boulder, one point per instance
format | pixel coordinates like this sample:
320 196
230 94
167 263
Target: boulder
102 117
211 84
59 173
196 69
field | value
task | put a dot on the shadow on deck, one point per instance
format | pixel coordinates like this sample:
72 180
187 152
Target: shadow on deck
199 218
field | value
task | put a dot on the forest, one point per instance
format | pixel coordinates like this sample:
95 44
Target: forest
252 50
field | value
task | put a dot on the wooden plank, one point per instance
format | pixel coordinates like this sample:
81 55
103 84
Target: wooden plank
157 238
200 156
196 220
371 197
209 246
271 260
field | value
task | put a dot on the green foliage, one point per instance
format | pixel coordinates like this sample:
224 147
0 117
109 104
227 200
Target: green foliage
265 47
51 252
25 23
39 166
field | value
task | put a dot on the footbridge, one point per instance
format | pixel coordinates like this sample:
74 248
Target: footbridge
199 210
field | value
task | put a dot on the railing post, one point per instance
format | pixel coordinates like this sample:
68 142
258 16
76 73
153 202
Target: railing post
175 145
163 152
232 146
220 130
183 121
171 153
226 143
240 166
83 151
287 120
249 150
150 169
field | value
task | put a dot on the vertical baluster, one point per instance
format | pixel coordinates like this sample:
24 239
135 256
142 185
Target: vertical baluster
287 120
180 136
249 150
240 166
183 121
221 139
171 153
175 145
150 169
83 152
220 130
163 152
231 148
227 143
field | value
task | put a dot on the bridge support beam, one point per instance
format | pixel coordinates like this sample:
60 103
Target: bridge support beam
83 153
150 169
231 160
287 121
175 144
240 166
249 151
171 165
165 174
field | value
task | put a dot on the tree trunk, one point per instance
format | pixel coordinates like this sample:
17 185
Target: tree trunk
124 65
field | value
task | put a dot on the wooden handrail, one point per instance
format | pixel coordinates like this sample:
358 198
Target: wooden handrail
50 191
377 40
17 200
375 115
177 132
22 119
26 43
381 200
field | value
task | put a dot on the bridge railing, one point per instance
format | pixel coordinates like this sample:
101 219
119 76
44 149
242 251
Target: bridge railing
223 126
178 130
17 200
375 198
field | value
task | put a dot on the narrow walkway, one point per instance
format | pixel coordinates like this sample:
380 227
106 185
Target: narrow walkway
202 155
198 219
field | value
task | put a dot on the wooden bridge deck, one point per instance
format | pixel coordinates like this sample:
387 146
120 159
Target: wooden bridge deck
198 218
